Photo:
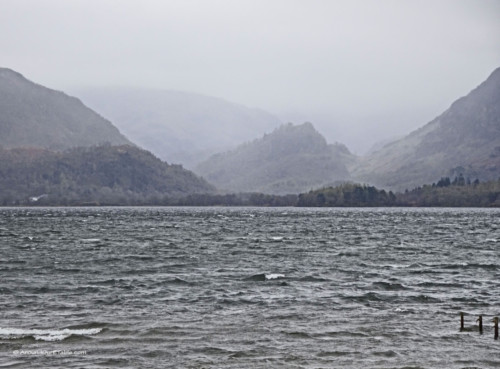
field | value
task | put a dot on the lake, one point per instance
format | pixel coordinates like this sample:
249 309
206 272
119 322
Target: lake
248 287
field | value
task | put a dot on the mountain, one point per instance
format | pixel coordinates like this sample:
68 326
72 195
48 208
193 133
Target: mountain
118 175
291 159
465 140
35 116
178 127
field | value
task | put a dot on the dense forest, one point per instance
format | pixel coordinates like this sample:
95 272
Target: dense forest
100 175
459 192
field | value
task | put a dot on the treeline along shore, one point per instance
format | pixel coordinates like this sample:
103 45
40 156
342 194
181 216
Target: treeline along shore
459 192
445 193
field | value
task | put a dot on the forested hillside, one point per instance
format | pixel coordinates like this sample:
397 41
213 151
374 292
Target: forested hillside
121 175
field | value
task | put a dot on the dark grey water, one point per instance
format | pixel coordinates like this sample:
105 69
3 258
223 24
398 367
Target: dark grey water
248 288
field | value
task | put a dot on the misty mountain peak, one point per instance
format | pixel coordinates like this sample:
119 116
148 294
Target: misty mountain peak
486 95
289 139
291 159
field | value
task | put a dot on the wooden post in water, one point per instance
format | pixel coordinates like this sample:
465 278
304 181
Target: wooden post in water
461 321
495 320
480 320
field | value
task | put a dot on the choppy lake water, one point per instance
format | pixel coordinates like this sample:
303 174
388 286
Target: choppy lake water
248 287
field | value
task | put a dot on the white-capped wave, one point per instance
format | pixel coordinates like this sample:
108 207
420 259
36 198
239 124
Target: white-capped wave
274 276
91 240
46 334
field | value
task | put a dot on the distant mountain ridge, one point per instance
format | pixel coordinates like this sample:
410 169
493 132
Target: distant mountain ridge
465 139
179 127
291 159
35 116
56 150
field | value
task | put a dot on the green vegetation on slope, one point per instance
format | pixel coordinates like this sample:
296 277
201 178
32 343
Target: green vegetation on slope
120 175
129 176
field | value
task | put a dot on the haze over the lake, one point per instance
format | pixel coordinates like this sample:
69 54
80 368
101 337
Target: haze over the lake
361 71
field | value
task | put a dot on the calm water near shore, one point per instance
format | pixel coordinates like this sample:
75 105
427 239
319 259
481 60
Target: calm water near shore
248 287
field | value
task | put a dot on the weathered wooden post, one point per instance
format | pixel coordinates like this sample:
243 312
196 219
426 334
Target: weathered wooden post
461 321
495 320
480 320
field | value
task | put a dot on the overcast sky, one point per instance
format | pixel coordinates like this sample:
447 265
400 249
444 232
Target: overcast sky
359 70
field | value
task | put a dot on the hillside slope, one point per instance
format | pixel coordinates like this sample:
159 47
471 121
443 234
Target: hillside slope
35 116
464 139
179 127
103 174
291 159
